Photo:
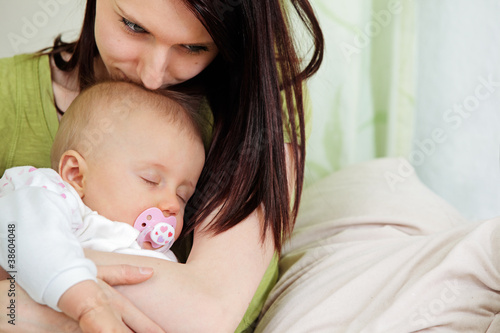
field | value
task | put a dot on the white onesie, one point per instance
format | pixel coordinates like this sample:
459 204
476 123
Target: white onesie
44 228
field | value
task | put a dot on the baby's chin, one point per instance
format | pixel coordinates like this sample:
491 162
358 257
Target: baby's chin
147 246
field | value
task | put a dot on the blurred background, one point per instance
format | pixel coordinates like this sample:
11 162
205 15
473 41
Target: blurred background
418 79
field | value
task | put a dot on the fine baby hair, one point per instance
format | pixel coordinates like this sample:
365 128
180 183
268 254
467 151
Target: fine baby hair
93 115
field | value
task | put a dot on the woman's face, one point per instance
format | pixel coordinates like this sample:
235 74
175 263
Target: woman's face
156 43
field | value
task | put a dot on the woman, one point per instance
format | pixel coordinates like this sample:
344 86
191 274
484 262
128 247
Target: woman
241 55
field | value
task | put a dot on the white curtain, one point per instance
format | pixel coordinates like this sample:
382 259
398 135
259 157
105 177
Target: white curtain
459 95
393 70
364 96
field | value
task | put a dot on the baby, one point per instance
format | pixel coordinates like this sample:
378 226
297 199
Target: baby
122 153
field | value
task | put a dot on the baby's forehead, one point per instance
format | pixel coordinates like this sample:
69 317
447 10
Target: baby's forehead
111 103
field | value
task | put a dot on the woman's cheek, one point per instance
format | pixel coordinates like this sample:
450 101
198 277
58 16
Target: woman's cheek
185 68
127 51
123 55
112 41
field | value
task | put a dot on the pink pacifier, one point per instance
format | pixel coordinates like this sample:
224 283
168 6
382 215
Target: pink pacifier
155 228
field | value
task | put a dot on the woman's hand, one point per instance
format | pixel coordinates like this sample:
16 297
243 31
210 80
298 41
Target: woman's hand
30 316
123 308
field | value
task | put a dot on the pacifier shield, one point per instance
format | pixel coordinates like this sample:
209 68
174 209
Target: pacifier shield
151 217
155 228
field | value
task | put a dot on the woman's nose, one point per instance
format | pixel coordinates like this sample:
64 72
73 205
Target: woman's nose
153 72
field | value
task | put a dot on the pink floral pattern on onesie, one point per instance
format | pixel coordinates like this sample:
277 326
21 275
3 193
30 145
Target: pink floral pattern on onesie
17 178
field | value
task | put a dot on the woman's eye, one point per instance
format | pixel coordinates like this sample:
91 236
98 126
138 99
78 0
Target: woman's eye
132 26
195 49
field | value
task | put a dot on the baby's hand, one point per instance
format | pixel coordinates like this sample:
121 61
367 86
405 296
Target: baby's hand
87 303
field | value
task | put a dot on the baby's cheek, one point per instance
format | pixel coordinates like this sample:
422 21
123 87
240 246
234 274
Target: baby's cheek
130 209
121 213
132 216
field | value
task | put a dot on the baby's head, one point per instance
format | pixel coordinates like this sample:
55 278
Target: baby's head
125 149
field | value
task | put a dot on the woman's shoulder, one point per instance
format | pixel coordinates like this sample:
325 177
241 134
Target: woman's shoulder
26 104
8 71
25 73
25 60
23 69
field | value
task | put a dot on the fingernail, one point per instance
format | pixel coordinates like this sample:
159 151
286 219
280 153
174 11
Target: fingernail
146 270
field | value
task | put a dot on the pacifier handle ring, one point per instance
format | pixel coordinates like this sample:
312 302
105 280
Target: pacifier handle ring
162 234
143 234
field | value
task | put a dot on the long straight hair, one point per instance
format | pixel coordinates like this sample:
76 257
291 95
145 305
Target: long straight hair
252 86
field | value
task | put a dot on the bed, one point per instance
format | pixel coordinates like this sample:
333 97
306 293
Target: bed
371 255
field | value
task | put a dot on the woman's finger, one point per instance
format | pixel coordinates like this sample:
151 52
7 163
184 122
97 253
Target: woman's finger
115 275
103 319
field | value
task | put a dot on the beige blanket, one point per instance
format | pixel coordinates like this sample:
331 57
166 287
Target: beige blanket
374 250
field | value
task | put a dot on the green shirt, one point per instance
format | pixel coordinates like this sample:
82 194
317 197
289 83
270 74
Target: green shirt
28 126
28 116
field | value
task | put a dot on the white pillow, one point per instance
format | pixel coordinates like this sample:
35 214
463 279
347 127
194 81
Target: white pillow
366 256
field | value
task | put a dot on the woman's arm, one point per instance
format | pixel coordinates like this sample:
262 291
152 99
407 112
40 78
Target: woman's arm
211 292
25 315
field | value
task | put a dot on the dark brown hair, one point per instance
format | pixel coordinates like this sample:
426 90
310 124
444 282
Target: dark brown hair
257 61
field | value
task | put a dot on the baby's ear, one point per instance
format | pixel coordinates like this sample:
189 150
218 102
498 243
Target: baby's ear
72 169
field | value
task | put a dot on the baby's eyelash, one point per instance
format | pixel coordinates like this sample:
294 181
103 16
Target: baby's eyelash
182 199
149 182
